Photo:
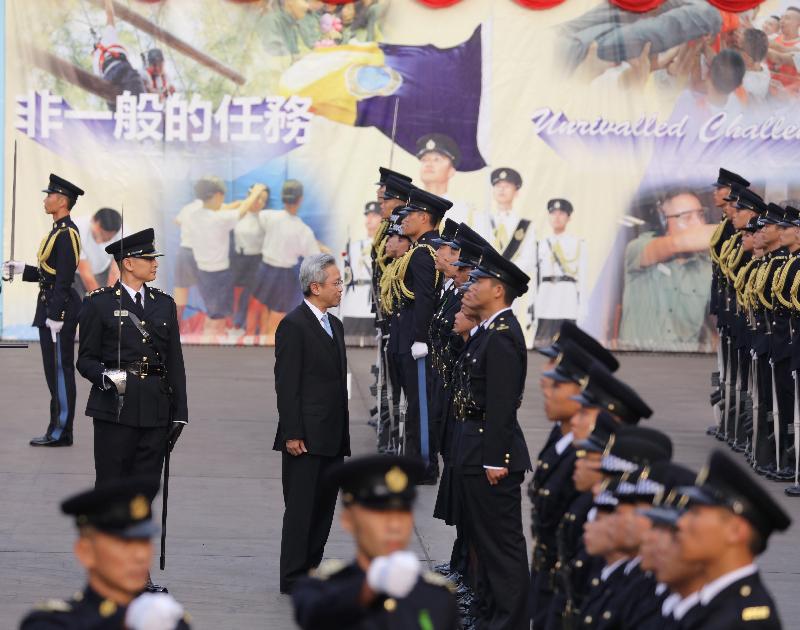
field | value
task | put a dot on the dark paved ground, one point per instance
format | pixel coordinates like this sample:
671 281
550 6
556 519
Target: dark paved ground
226 505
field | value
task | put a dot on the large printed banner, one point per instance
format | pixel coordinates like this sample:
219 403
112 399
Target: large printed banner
580 140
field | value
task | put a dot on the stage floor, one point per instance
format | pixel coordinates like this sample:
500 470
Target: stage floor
225 492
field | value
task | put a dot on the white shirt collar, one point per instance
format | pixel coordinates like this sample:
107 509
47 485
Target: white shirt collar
447 284
491 318
712 589
669 604
317 313
563 443
685 605
607 570
473 330
630 566
132 292
661 588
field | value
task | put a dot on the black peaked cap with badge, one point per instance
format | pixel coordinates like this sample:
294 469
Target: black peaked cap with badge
372 207
63 187
735 192
137 245
493 265
469 255
791 217
397 188
571 365
629 450
120 507
607 392
378 482
752 225
596 442
439 143
725 483
423 201
386 173
559 204
726 178
583 339
447 236
465 234
666 510
749 200
772 216
506 175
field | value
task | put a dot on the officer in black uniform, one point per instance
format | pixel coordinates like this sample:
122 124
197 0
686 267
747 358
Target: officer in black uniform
419 283
383 587
728 524
114 530
491 456
551 489
138 402
57 307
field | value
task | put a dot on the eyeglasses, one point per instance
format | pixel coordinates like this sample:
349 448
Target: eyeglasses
683 217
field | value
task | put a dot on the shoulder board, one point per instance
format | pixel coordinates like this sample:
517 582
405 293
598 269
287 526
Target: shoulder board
100 290
54 605
327 569
436 579
756 613
159 291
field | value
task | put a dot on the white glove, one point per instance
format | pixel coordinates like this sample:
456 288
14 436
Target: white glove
153 611
13 266
419 350
394 575
54 326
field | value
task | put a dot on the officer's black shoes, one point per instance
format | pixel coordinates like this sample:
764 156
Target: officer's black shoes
782 474
48 440
792 491
154 588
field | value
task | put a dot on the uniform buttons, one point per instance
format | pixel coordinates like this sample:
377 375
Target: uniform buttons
480 430
390 605
545 466
144 322
607 615
745 591
587 620
579 563
595 582
544 492
538 462
144 358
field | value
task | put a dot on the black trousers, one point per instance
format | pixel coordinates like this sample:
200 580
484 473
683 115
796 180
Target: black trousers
307 516
763 446
407 373
784 388
123 451
58 360
493 519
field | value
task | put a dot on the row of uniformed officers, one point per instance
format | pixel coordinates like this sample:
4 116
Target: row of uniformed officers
755 299
623 537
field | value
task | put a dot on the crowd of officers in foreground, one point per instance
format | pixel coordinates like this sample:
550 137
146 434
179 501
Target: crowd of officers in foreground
755 299
623 536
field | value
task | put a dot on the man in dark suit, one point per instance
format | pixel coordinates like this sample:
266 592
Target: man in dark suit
313 422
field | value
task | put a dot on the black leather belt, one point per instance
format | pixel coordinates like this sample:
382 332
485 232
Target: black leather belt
558 279
143 368
46 285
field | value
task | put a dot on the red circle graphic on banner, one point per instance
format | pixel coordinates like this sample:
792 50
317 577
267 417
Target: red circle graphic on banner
735 6
439 4
539 4
637 6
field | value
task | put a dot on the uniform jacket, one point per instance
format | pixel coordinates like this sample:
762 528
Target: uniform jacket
329 601
491 387
147 401
58 258
746 604
413 320
85 611
311 384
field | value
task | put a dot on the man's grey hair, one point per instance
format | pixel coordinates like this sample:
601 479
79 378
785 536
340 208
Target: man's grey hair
313 269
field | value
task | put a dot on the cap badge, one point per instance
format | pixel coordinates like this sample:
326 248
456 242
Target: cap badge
557 205
430 145
396 480
503 174
139 507
584 382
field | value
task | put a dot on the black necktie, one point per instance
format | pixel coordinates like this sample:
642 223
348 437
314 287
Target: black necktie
139 301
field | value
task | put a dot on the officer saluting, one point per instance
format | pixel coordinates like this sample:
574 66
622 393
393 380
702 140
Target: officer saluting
383 587
114 530
56 307
138 401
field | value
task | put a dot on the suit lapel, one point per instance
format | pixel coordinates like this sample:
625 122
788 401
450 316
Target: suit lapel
319 331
